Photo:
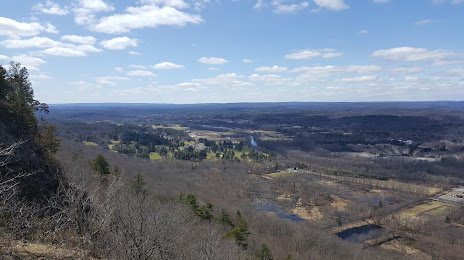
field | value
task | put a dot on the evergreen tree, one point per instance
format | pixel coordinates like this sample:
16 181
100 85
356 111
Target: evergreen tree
240 231
225 218
138 185
264 253
100 165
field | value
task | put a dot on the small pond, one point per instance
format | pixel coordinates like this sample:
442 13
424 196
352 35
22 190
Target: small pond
362 233
271 207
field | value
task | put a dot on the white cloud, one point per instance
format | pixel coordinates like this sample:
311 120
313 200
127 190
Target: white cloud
13 28
317 73
247 61
173 3
110 80
118 69
335 5
456 71
258 4
3 57
51 29
36 42
119 43
141 73
50 7
225 80
274 68
408 70
442 63
280 8
363 32
84 48
381 1
142 17
29 62
411 79
134 53
412 54
357 79
167 66
84 85
86 40
273 80
63 51
138 67
212 60
423 22
85 11
39 76
52 47
309 54
360 69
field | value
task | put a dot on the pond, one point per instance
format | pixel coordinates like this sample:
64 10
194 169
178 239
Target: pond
271 207
253 143
362 233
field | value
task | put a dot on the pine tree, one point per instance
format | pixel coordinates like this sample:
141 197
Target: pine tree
100 165
264 253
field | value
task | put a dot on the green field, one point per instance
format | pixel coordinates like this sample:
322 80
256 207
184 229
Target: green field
155 156
89 143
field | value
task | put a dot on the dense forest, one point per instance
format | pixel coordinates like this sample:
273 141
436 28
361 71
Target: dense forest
230 181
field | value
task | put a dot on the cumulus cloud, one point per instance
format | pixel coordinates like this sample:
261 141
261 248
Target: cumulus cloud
138 67
147 16
52 47
309 54
86 40
319 72
63 51
225 80
167 66
50 7
110 80
247 61
357 79
273 80
119 43
363 32
51 29
141 73
411 79
85 11
412 54
274 68
30 62
13 28
334 5
212 60
173 3
280 8
409 70
35 42
3 57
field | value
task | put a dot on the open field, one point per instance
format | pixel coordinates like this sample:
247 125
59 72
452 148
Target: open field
429 208
155 156
387 184
175 127
89 143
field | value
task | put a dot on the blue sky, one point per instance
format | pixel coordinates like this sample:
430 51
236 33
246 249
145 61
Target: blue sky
203 51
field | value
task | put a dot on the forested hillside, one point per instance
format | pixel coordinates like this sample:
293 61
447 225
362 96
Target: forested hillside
165 184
